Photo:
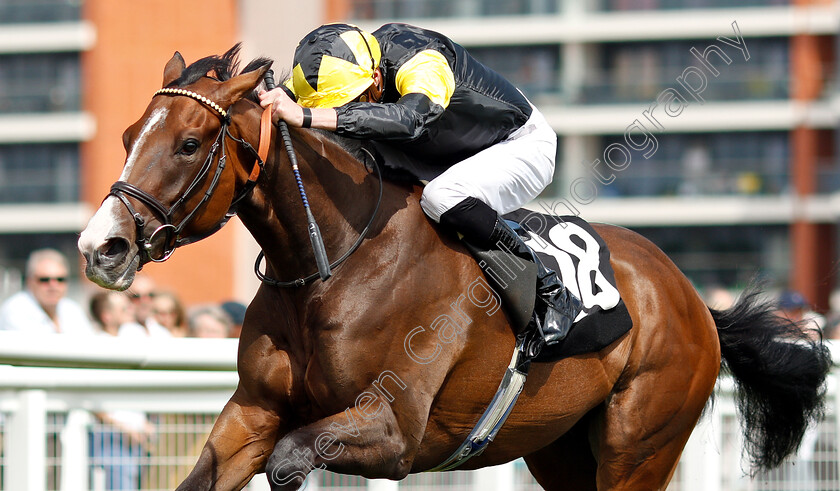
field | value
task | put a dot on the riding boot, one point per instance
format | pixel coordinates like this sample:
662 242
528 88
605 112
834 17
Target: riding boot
556 307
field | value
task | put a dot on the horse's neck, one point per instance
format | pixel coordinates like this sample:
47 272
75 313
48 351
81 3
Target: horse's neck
341 193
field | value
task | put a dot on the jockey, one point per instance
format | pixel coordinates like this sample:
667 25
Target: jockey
421 91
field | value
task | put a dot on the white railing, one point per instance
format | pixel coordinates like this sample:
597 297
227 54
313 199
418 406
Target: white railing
48 428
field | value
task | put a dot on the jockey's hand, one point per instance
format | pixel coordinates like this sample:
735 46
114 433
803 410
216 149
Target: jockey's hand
285 109
289 111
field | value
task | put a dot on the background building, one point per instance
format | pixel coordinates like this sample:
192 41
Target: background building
42 125
74 75
741 178
739 175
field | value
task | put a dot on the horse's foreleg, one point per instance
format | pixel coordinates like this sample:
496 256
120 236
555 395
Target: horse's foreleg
237 448
356 441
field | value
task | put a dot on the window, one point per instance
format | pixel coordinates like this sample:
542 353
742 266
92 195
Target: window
391 9
828 176
708 164
40 83
44 173
686 4
638 72
725 256
33 11
533 69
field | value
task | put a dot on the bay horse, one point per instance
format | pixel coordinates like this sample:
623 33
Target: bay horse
329 377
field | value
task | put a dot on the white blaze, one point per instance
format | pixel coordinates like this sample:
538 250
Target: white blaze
101 226
154 122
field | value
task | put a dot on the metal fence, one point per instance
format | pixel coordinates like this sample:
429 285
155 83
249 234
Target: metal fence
143 425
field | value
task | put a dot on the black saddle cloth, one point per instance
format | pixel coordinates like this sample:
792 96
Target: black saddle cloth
571 247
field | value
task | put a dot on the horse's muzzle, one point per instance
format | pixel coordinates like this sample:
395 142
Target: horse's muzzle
112 264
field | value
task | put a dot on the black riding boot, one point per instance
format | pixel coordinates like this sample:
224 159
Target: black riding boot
555 308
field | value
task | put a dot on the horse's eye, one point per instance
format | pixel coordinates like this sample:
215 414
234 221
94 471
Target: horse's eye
189 147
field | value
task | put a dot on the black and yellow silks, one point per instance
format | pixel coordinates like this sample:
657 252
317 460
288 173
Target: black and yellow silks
445 105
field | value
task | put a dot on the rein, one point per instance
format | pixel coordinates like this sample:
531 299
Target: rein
318 249
308 279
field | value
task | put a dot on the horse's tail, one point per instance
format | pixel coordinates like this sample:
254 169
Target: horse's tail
779 368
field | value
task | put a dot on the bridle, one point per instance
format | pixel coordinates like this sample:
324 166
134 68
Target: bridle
168 229
172 233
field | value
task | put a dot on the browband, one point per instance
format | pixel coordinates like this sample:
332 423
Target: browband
200 98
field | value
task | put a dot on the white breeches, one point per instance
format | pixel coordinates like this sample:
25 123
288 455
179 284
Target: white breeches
505 176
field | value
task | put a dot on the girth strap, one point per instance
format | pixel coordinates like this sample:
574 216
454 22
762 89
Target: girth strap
495 415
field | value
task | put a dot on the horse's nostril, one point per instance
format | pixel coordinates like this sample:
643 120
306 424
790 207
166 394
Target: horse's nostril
114 248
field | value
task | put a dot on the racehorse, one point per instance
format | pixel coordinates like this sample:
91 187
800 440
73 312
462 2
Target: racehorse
329 376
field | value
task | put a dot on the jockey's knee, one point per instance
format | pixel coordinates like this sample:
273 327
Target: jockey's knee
439 197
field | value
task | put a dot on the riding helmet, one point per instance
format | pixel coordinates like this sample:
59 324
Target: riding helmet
334 65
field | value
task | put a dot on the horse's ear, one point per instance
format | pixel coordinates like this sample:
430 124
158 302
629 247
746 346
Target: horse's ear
240 85
173 69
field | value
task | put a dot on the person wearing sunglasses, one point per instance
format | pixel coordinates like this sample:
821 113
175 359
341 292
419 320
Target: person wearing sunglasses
485 149
43 307
142 293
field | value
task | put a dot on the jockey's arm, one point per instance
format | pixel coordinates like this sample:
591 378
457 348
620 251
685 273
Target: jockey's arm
403 120
292 113
425 83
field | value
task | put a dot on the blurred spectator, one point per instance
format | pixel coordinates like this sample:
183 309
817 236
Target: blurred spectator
209 321
118 443
142 292
832 326
834 301
43 307
718 298
832 322
794 306
150 330
236 311
112 310
169 313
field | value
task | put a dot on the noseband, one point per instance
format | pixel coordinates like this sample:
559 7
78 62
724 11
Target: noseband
172 233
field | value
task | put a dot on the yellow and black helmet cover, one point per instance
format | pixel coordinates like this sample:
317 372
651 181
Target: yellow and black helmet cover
334 65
